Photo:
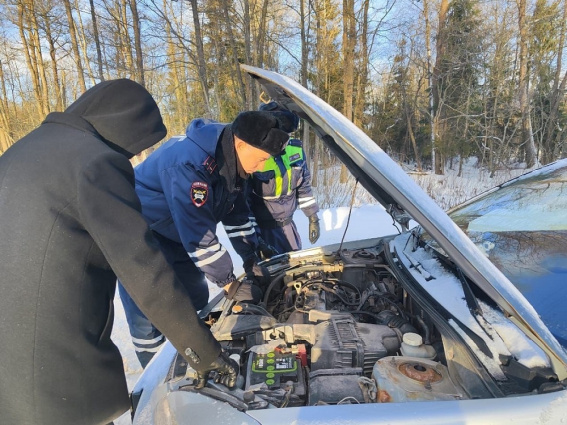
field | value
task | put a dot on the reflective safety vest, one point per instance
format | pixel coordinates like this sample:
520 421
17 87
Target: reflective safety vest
291 155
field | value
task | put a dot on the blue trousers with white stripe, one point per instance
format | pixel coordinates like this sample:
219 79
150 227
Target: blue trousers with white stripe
147 339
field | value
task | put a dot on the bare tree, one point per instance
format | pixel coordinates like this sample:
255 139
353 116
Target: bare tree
435 86
304 32
96 40
527 134
201 64
557 147
234 50
431 108
75 45
51 40
6 138
83 44
349 43
137 43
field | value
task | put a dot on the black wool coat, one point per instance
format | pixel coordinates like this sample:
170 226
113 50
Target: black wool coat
70 223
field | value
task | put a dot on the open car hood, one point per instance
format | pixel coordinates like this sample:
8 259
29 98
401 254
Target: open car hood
403 198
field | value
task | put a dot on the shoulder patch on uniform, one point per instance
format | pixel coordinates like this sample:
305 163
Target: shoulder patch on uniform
210 164
199 193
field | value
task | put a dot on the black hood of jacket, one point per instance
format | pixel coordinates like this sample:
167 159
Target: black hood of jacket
123 113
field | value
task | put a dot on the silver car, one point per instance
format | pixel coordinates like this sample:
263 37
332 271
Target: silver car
459 320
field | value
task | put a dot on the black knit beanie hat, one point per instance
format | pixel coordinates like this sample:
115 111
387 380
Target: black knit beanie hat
261 130
289 121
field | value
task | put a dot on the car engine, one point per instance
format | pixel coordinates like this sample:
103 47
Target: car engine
332 329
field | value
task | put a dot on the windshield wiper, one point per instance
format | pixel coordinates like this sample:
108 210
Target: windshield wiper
470 298
419 268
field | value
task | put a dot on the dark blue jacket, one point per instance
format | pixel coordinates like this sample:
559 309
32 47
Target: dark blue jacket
283 186
189 185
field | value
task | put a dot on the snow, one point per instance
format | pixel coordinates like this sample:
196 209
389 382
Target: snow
525 350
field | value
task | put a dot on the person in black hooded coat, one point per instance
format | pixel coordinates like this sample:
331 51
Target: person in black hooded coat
71 224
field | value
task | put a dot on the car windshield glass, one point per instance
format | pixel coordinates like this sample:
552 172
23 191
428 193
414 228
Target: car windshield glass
522 228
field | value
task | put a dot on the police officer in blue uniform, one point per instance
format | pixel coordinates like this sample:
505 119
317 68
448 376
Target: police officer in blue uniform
186 187
275 192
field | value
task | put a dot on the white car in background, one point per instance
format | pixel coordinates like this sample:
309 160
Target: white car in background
460 320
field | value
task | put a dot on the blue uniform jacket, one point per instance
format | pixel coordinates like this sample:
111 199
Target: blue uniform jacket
190 184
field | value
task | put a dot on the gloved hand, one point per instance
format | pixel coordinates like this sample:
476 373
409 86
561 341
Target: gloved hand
265 251
244 291
259 275
314 229
226 368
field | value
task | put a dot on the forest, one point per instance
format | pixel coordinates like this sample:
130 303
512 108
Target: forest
432 82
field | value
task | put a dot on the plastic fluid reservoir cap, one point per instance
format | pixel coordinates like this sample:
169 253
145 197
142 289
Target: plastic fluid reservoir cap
413 339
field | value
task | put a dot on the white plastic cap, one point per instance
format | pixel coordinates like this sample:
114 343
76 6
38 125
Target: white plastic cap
413 339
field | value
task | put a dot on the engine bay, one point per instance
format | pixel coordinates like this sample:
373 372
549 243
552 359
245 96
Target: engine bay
339 328
335 329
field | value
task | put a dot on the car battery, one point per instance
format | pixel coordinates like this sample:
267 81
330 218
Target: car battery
276 370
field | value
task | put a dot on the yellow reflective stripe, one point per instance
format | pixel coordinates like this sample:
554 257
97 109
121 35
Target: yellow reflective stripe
271 165
289 152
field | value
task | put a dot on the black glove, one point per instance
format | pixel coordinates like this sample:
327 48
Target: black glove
265 251
314 229
226 368
259 275
244 291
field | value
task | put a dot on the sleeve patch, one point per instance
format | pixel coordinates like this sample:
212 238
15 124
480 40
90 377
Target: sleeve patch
199 193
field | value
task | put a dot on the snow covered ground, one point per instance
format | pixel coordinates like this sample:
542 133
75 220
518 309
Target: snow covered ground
365 222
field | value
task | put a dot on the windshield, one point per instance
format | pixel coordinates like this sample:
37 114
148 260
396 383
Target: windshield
522 228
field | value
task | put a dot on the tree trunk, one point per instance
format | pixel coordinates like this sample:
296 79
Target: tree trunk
239 80
360 98
440 45
34 34
316 162
349 40
97 41
179 88
429 81
84 46
260 42
527 134
304 61
54 69
22 18
138 43
412 139
261 39
126 41
75 45
5 126
201 64
558 90
248 54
